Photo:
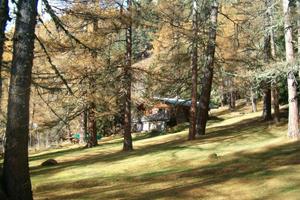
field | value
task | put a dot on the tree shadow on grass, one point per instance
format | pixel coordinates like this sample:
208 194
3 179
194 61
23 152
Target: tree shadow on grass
241 166
64 152
55 154
108 157
229 133
254 127
227 111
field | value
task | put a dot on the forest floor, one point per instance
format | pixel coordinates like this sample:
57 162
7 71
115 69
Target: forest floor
240 158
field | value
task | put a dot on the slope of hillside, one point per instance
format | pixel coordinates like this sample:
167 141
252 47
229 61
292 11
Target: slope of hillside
241 157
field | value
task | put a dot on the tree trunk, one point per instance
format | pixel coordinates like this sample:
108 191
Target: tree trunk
223 94
47 142
194 68
253 101
232 97
85 124
208 70
91 118
223 99
92 129
127 144
293 130
4 10
17 184
275 89
267 107
269 42
38 136
288 34
298 30
275 95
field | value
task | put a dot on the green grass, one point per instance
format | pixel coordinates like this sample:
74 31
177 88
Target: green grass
254 161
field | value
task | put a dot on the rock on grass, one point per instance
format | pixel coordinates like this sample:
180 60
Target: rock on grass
49 162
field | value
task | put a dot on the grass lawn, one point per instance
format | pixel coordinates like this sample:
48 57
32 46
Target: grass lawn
241 157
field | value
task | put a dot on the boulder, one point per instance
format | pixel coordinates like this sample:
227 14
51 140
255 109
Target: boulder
49 162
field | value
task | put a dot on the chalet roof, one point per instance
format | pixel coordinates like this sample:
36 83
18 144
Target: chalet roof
175 101
181 102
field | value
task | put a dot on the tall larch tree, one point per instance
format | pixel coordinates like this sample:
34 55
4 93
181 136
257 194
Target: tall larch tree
194 69
91 109
208 69
293 124
267 106
16 178
274 85
127 144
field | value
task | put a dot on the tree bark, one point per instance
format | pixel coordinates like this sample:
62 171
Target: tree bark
38 136
275 95
127 143
208 70
267 106
85 124
253 101
275 89
293 130
91 117
232 96
223 94
293 125
194 69
288 34
47 142
92 128
298 31
267 36
17 184
4 10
